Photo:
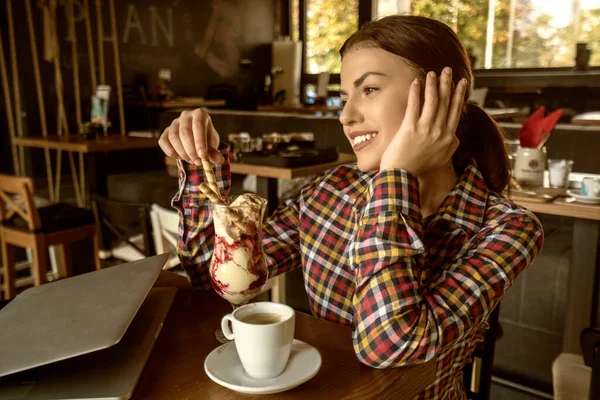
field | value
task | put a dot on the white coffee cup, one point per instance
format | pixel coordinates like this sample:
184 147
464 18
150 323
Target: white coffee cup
590 187
263 333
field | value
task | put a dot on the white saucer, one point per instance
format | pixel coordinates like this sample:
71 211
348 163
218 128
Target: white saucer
223 366
576 194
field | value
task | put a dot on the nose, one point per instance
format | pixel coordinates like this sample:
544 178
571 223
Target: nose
350 114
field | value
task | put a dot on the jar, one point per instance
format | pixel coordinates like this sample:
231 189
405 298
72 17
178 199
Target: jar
530 165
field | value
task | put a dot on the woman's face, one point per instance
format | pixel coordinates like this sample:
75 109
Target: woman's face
374 88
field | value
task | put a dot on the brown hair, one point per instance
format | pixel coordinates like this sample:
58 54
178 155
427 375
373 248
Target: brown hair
429 45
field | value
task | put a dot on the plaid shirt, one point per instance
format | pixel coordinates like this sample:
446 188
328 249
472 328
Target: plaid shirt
412 288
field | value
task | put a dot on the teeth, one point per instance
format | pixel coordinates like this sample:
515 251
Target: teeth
360 139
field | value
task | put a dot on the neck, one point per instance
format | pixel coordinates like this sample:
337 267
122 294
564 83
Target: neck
435 186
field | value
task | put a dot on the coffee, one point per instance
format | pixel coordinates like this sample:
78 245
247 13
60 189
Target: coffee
261 318
263 333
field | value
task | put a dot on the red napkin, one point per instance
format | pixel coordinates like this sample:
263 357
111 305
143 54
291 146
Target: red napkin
535 131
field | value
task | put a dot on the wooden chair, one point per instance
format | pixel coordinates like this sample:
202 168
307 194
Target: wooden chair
577 376
124 229
590 345
165 225
478 373
24 225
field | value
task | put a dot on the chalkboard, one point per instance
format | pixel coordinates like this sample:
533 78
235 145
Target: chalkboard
203 42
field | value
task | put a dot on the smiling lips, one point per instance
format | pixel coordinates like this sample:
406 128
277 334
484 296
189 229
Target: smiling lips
361 141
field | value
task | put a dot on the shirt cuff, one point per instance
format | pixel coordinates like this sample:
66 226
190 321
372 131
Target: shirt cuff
191 176
393 191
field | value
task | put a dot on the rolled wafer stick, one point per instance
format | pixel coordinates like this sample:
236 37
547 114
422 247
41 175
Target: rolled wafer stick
210 176
235 217
210 193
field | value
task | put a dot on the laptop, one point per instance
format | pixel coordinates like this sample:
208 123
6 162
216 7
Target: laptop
85 337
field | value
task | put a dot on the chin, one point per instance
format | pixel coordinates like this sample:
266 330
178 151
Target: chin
367 164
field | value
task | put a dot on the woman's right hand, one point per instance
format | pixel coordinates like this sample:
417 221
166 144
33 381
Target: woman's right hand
192 137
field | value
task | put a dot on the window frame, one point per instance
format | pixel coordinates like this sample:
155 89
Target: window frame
366 10
365 14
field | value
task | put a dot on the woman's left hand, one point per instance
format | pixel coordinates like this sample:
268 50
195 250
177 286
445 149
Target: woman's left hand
427 141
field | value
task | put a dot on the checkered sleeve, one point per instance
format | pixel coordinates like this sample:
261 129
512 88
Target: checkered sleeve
401 315
195 241
281 238
281 232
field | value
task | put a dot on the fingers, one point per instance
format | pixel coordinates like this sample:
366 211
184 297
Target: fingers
192 137
173 137
165 145
453 146
206 138
186 135
411 116
213 152
445 92
455 108
431 100
199 118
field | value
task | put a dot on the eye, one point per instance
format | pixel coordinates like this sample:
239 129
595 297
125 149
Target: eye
369 90
344 101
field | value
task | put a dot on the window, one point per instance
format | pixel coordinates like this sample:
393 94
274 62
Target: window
328 24
518 33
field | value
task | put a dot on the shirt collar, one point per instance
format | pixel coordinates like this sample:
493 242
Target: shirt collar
465 205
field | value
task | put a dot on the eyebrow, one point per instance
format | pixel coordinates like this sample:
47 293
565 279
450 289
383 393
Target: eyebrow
362 78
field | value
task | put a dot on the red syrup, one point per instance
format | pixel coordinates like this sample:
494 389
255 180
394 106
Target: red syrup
223 253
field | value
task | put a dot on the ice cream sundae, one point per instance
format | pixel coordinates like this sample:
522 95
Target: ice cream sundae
238 270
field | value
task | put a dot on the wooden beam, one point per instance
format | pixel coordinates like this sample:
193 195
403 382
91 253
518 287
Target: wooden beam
40 94
100 33
115 42
9 110
90 43
15 77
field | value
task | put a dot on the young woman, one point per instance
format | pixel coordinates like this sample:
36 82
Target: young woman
413 246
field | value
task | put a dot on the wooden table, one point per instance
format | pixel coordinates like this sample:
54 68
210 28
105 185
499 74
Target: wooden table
75 144
267 176
175 369
310 109
270 172
588 118
186 102
583 299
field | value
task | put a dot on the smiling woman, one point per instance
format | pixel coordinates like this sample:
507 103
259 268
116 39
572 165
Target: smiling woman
386 64
413 246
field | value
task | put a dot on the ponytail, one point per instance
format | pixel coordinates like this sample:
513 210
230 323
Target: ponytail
482 139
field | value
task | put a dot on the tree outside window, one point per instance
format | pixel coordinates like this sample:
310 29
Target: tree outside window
328 24
518 33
